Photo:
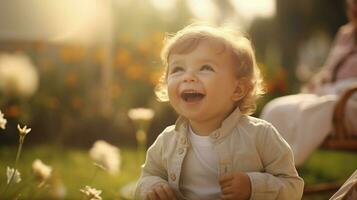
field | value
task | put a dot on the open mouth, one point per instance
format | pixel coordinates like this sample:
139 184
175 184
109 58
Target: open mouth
192 96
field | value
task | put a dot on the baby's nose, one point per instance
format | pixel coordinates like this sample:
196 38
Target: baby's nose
189 77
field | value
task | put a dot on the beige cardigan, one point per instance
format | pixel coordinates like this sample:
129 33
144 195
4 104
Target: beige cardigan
243 143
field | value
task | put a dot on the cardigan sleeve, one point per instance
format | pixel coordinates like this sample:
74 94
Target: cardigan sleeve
153 171
279 180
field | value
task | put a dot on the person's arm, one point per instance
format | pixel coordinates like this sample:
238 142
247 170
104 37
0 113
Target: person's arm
325 75
153 171
280 179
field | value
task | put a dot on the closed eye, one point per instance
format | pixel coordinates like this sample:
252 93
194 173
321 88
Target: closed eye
207 67
176 69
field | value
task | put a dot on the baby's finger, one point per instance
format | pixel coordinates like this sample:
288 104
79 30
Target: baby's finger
146 197
227 196
225 184
161 193
169 192
227 190
225 178
151 196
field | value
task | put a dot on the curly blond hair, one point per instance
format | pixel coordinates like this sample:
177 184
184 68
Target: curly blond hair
187 39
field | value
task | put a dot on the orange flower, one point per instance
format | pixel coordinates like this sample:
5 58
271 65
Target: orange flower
52 102
135 72
72 53
144 48
76 102
71 79
12 111
154 77
281 83
278 83
122 57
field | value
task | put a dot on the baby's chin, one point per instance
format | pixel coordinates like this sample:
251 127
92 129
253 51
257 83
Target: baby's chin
190 114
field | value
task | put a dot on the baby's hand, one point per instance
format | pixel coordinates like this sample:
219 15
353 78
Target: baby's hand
160 191
235 186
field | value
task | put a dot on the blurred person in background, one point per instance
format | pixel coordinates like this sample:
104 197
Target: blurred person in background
305 119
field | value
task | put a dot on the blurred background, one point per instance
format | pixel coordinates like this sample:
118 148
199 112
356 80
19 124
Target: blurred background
71 70
81 65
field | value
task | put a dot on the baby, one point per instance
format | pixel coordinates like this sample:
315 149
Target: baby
215 150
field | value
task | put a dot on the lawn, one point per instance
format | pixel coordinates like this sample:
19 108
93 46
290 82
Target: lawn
325 166
74 169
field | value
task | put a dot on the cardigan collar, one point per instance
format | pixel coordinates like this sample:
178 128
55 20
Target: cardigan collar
228 124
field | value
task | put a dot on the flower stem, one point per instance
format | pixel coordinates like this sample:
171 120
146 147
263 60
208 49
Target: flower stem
94 175
141 140
19 150
21 141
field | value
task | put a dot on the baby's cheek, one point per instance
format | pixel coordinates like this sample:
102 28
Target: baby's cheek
173 97
171 92
171 83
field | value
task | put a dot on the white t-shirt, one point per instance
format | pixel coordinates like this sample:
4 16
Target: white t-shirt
200 169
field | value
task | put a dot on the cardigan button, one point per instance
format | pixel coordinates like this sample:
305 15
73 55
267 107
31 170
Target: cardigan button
173 177
183 140
181 150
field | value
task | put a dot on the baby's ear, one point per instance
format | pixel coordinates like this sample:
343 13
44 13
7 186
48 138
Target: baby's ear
241 89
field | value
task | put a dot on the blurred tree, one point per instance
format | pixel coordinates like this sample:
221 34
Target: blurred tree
67 105
293 23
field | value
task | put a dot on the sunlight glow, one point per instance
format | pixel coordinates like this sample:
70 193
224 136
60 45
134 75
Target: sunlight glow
163 5
203 9
81 20
255 8
53 20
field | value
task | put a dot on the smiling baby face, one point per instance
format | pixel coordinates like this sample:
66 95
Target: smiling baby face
202 82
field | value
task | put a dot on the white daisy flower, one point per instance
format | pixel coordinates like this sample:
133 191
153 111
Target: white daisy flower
40 170
13 174
91 193
3 121
23 131
18 75
145 114
106 155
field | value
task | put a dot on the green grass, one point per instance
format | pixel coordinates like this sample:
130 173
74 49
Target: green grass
75 169
72 166
327 166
